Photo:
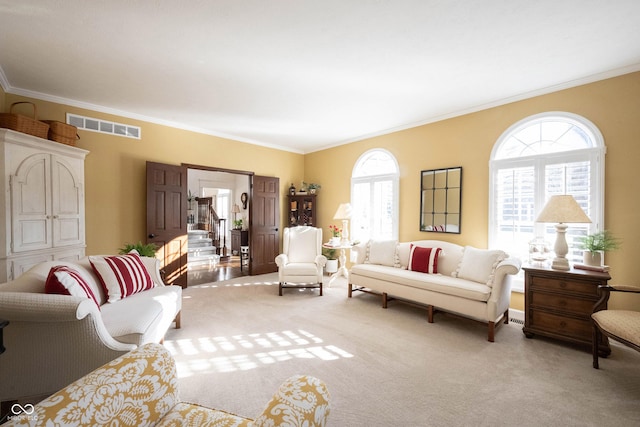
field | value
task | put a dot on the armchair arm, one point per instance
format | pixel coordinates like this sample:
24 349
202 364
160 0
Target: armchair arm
605 293
321 260
300 400
282 260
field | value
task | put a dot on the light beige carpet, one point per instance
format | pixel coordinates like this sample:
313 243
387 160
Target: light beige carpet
239 340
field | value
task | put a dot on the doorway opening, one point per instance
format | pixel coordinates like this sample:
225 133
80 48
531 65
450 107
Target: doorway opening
217 224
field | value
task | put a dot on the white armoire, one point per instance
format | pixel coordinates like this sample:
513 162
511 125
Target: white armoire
42 211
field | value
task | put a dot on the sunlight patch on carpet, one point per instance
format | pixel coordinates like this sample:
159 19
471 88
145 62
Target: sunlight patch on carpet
269 348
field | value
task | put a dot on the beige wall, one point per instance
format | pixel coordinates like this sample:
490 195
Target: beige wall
613 105
115 178
115 191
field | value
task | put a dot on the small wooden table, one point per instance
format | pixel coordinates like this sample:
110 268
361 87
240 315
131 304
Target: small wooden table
558 304
342 261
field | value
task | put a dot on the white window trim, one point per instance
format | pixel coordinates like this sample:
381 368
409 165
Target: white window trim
595 155
395 182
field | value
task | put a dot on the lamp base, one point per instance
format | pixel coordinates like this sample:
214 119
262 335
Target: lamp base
560 264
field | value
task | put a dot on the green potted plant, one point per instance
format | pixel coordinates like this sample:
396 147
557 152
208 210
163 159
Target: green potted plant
594 246
313 187
237 224
148 249
332 260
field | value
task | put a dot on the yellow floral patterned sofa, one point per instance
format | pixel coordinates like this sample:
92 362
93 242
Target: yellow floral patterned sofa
140 388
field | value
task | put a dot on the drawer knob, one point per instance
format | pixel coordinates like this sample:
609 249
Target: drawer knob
563 284
562 303
563 324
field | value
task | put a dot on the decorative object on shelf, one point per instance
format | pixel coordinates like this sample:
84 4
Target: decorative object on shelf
595 245
237 224
539 251
235 210
562 209
244 197
292 190
312 187
303 187
24 124
148 249
344 213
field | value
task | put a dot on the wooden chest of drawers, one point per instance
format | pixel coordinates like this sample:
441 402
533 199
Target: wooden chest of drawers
558 304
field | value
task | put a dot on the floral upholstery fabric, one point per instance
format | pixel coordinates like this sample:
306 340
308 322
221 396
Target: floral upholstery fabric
140 388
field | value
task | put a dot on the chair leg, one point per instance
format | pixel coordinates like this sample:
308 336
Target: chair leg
320 288
596 340
280 289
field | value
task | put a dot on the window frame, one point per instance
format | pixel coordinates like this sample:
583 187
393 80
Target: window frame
394 177
594 155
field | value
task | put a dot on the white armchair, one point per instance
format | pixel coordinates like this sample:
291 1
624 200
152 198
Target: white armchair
301 262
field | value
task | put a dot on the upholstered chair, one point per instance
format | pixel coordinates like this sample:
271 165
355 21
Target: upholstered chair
620 325
301 263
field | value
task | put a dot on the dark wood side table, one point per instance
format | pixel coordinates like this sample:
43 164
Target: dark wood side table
558 304
239 238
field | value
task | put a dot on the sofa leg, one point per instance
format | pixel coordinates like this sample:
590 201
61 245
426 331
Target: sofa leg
430 313
349 290
384 300
177 320
320 288
280 289
492 331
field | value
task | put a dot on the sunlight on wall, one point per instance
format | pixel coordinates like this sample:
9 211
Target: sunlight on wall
255 350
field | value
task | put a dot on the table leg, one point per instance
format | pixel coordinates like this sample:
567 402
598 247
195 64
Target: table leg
342 269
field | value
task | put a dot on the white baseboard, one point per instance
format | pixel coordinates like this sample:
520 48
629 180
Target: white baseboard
516 316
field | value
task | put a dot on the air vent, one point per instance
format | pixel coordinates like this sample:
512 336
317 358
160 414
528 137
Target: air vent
103 126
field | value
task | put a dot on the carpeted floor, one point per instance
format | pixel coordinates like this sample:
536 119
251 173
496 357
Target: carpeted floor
239 340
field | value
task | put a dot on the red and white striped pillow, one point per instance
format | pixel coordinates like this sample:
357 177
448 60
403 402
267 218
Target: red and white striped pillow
63 280
121 275
424 260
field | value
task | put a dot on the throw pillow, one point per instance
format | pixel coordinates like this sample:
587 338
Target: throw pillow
424 260
382 252
479 265
121 275
63 280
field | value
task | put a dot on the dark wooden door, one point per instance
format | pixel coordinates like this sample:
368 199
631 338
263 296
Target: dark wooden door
167 218
265 224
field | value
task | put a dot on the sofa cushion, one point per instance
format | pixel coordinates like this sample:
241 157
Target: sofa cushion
382 252
121 275
448 259
433 282
143 317
64 280
424 260
479 265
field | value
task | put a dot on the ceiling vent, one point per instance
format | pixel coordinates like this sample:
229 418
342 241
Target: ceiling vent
103 126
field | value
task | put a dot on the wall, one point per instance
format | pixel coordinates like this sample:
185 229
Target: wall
116 167
115 190
613 105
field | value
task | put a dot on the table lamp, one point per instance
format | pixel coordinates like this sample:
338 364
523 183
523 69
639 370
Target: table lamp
344 213
235 209
562 209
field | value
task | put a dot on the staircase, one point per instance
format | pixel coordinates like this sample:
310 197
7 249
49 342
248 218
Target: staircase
201 249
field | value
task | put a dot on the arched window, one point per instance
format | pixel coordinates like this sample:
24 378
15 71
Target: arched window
374 196
536 158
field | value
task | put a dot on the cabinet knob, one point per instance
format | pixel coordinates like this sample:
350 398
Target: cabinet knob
151 236
563 284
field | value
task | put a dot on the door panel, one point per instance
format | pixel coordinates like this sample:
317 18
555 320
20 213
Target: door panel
167 218
265 224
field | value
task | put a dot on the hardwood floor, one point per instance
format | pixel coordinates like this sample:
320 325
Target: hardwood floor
224 270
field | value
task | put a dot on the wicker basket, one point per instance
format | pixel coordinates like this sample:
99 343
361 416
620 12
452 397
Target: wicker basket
24 124
62 132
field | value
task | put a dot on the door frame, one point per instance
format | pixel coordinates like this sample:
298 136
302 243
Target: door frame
249 175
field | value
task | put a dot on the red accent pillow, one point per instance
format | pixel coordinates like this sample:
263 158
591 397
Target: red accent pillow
121 275
63 280
424 260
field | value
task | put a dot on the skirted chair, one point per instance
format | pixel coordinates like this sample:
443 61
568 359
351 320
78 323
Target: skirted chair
301 263
620 325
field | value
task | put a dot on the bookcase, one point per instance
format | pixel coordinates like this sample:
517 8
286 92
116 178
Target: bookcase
302 210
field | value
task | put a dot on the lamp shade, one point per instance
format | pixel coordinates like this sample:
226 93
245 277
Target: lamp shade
343 212
235 208
562 209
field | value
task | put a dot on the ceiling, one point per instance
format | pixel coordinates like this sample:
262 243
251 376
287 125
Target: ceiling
303 75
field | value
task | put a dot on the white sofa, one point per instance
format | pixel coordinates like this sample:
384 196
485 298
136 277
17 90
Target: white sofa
470 282
52 340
